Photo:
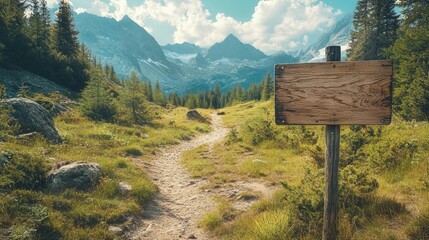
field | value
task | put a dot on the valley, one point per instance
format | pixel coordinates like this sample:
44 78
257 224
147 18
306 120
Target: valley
107 134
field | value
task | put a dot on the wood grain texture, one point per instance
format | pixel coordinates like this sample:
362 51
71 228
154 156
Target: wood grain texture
332 162
334 93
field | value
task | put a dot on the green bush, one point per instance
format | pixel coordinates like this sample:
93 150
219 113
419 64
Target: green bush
271 226
294 137
25 217
143 191
133 151
260 130
224 212
390 153
6 122
305 203
22 171
233 137
419 228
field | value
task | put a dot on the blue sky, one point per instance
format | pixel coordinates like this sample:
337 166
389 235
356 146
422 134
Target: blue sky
242 10
269 25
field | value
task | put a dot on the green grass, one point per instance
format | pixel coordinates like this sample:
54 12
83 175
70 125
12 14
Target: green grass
258 150
36 213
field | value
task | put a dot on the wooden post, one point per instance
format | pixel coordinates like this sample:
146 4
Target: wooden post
333 53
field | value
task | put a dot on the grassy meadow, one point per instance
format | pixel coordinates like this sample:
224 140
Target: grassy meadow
29 211
384 178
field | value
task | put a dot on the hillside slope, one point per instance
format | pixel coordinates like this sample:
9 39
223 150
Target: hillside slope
13 80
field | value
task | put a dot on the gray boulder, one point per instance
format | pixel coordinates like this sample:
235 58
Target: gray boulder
54 109
31 117
79 176
195 115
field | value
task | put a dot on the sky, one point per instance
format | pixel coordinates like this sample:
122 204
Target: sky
269 25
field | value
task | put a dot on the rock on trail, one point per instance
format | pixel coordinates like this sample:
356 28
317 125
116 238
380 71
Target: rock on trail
175 212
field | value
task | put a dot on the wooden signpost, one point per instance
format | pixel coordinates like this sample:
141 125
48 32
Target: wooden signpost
333 93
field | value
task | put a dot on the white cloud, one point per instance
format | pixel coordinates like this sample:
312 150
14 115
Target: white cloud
81 10
275 24
305 40
51 3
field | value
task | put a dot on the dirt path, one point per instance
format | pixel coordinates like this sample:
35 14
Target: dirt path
180 204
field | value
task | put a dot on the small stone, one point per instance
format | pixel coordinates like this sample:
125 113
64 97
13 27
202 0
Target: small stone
116 230
192 236
207 190
191 182
124 188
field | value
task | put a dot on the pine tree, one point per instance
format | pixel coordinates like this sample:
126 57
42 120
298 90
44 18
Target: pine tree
45 30
34 22
65 32
149 92
158 95
411 55
132 102
266 88
97 103
375 24
3 92
13 40
192 101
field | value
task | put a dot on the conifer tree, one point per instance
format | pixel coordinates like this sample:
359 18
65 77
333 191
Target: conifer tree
97 103
411 54
66 35
13 40
375 24
266 88
158 95
132 102
148 89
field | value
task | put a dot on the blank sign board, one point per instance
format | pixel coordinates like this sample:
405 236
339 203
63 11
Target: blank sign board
334 93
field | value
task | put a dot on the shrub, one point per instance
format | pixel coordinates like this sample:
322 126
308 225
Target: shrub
419 228
3 92
224 212
133 151
294 137
388 154
317 155
271 226
305 203
233 137
6 122
26 217
22 171
143 191
260 130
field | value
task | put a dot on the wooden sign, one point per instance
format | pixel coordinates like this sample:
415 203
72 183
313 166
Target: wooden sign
334 93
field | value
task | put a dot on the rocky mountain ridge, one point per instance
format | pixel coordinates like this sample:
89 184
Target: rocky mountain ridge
186 67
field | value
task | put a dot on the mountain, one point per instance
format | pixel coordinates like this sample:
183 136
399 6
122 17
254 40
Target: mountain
227 64
338 35
182 48
126 46
233 48
182 68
